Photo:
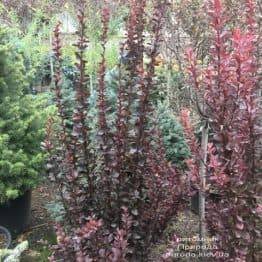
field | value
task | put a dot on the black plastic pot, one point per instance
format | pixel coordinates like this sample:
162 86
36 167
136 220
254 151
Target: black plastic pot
15 214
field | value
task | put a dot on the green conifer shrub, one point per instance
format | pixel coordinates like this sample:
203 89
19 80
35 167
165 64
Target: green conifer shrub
177 150
21 125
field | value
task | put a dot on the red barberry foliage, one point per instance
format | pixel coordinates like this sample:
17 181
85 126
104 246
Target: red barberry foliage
129 167
229 83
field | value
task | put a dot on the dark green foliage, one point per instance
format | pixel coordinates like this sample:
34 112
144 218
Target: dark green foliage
172 132
21 125
41 72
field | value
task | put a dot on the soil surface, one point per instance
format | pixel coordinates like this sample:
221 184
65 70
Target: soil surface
40 234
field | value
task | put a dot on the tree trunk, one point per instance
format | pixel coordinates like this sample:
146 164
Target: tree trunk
202 174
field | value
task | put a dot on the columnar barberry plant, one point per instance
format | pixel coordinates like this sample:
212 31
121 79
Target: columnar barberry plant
134 165
127 173
229 84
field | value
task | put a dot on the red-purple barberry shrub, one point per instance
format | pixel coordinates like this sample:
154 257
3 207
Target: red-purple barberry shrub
128 172
229 83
